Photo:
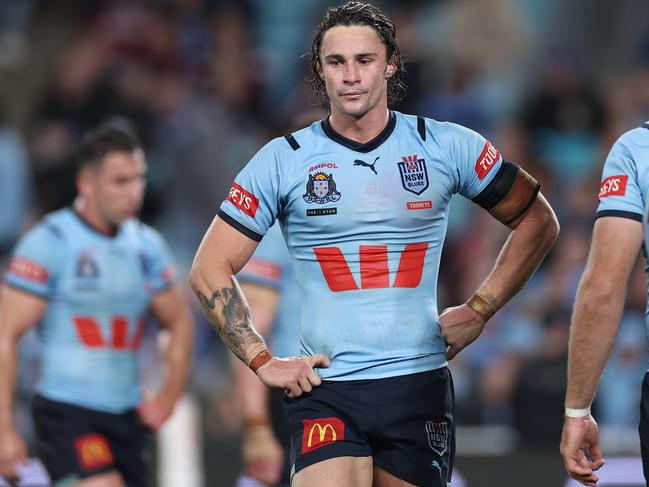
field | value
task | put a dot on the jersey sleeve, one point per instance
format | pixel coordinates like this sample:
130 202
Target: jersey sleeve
162 271
621 192
253 202
36 261
473 159
266 266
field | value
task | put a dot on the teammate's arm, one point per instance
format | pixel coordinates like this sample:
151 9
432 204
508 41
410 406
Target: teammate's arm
595 320
534 230
19 312
262 453
172 313
222 253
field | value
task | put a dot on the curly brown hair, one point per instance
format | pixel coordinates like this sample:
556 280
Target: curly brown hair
357 13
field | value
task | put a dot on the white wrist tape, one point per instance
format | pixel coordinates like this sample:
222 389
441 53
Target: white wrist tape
577 413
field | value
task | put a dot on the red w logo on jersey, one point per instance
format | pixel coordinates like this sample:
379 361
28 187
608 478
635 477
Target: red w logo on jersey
613 186
374 267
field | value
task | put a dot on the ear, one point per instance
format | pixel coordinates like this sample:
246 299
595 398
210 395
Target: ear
390 70
84 181
318 68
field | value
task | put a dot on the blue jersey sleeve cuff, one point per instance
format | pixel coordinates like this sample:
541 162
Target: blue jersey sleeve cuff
26 289
619 213
239 226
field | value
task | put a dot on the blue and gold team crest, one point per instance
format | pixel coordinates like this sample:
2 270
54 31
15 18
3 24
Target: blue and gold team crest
321 188
414 175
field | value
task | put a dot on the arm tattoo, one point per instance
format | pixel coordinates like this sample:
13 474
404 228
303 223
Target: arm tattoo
207 303
233 323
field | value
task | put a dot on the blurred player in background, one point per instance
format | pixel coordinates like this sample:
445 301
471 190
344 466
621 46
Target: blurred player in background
87 276
363 198
621 225
269 284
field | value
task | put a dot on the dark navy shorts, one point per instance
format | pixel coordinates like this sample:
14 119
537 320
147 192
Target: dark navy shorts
405 423
72 441
644 427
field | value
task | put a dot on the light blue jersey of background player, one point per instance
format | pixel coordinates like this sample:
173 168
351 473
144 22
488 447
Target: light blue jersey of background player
271 265
98 289
365 224
625 182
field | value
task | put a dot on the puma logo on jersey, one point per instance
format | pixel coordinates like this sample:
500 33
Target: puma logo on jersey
358 162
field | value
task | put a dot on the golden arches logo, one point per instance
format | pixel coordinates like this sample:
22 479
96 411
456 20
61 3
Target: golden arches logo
322 431
93 451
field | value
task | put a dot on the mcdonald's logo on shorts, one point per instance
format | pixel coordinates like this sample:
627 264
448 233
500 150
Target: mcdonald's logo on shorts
93 451
321 431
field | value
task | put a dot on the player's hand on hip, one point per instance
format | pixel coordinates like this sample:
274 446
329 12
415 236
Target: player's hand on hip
580 449
460 326
294 374
155 409
12 452
262 454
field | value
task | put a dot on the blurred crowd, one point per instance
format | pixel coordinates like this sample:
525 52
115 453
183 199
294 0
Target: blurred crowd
206 83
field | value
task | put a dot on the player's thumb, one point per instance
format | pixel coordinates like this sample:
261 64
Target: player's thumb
318 360
596 458
452 351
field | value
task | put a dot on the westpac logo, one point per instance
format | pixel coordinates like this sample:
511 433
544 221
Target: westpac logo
320 432
375 273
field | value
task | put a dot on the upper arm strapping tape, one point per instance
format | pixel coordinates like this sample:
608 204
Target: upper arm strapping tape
511 192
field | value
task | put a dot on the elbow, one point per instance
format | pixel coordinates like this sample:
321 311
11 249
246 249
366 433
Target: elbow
547 226
194 278
552 227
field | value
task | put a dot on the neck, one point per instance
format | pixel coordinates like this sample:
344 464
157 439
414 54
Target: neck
361 129
89 214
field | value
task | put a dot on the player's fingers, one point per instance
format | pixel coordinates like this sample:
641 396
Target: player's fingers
317 360
293 390
596 457
576 468
304 384
313 378
452 351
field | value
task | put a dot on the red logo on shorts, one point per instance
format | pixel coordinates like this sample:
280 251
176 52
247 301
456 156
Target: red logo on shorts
244 200
613 186
93 451
487 159
321 431
419 205
28 269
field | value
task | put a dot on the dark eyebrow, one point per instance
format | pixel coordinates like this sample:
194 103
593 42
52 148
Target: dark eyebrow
340 57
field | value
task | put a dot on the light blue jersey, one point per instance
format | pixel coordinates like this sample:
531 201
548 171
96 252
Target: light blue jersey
271 265
625 183
98 290
365 224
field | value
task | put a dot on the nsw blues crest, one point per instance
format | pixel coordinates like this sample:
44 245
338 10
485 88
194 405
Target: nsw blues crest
437 432
414 175
321 188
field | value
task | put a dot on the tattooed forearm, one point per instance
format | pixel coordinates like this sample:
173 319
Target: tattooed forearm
207 303
232 320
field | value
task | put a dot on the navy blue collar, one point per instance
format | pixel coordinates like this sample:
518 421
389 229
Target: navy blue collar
358 146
